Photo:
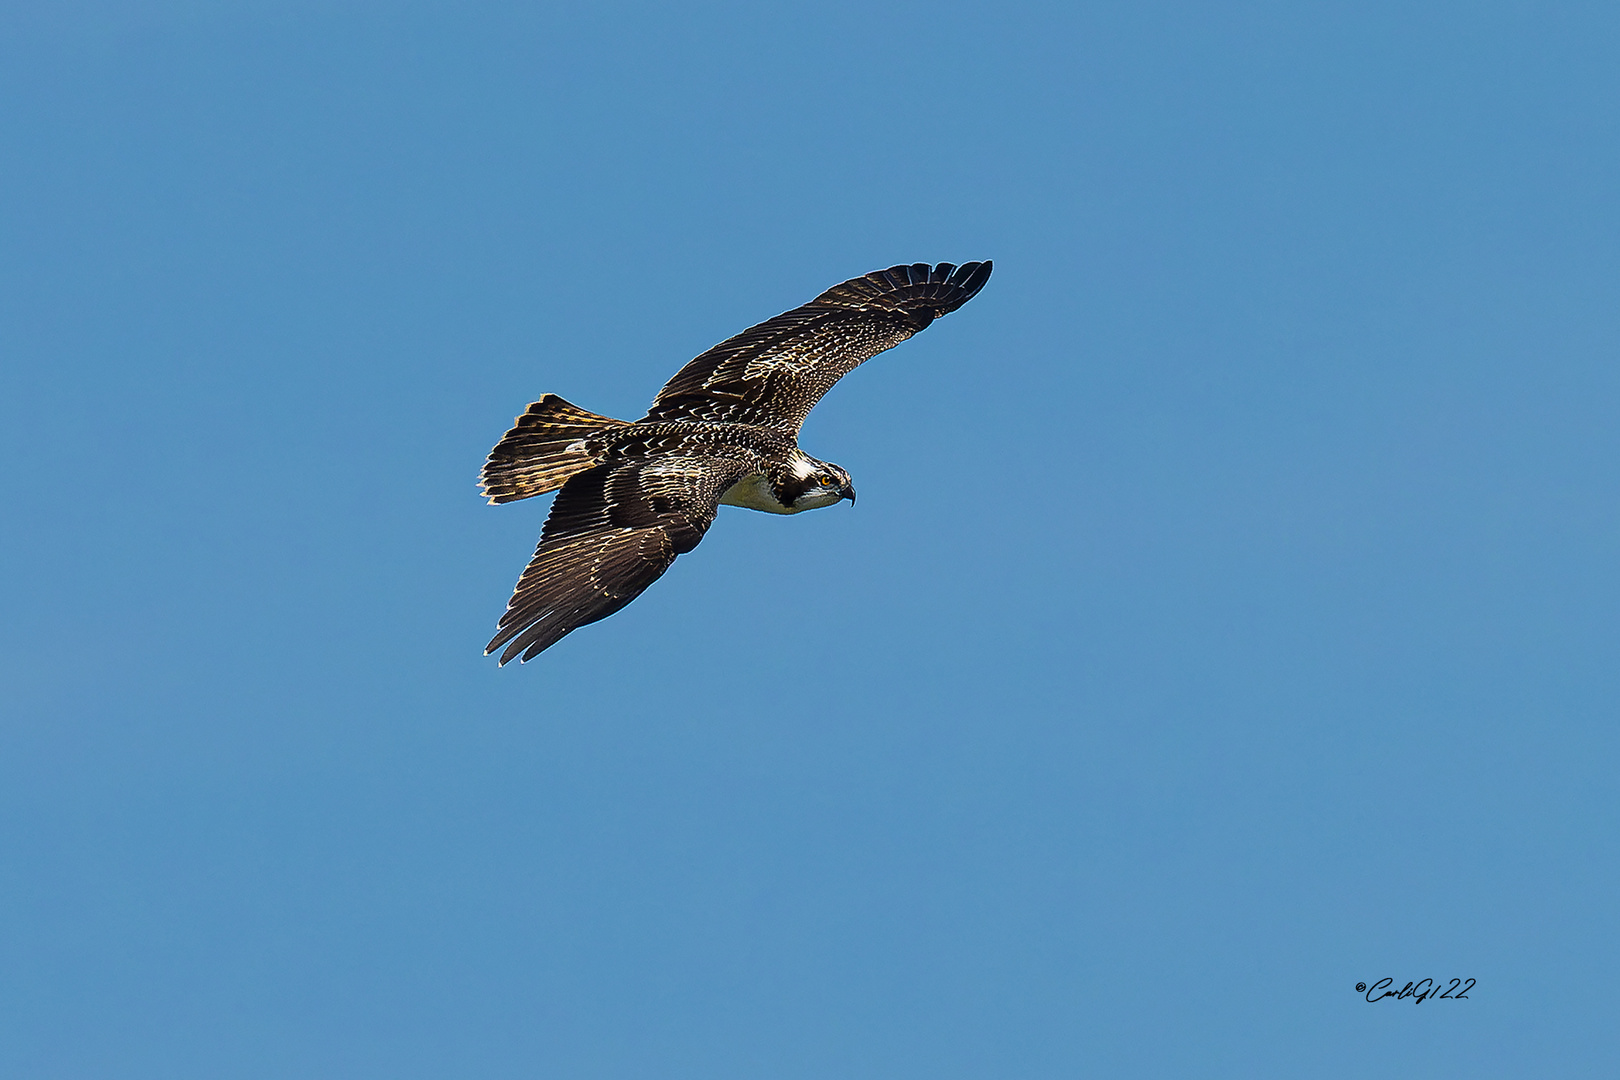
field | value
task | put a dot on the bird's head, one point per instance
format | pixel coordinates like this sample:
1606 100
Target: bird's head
817 484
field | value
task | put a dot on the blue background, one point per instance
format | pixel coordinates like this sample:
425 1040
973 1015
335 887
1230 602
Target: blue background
1230 613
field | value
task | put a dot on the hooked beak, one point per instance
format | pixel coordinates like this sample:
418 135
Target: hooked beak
848 492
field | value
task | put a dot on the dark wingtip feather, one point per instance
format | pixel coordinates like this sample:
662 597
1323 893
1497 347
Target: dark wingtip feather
914 288
969 278
961 285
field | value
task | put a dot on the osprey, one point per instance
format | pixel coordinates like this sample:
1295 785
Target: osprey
724 431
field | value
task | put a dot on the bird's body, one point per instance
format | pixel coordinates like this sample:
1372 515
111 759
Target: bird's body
724 431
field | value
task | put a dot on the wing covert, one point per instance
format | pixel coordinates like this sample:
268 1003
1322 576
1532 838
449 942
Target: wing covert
612 531
772 374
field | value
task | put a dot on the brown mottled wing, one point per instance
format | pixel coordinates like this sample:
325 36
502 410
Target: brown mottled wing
613 531
773 374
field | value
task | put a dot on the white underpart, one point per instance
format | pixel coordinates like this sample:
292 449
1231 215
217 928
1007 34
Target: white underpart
754 492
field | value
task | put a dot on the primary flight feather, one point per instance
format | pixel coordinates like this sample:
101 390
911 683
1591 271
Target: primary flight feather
723 431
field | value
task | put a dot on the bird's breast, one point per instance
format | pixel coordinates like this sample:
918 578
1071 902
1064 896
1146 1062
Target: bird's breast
755 493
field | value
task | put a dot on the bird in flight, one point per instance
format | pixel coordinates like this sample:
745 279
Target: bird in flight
723 431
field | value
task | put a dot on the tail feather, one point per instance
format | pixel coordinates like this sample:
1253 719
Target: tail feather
544 448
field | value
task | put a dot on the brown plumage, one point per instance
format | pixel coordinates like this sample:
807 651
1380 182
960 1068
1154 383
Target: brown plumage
724 430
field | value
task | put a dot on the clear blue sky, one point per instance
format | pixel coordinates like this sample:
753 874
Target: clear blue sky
1231 613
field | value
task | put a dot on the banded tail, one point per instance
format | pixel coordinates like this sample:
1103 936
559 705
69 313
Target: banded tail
544 448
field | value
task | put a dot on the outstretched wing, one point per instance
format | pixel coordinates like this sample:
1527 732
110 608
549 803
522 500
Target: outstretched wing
612 532
773 374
